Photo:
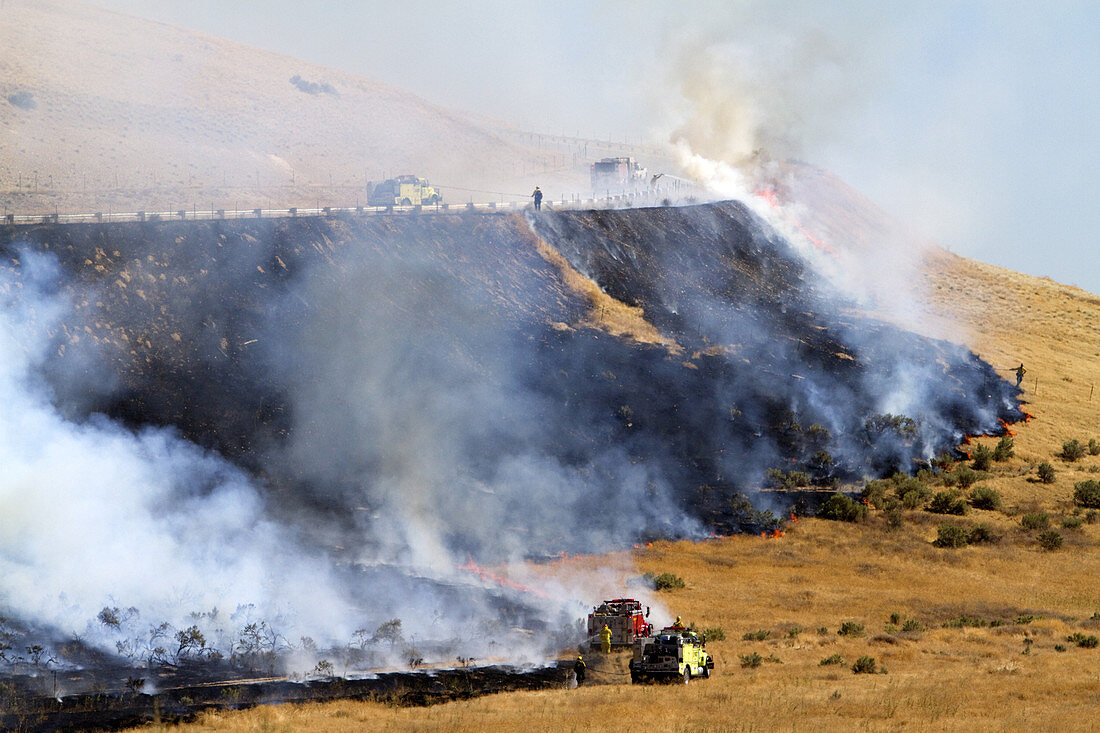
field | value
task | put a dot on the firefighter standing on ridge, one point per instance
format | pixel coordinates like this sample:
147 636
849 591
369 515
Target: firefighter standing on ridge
1020 372
605 639
578 669
538 198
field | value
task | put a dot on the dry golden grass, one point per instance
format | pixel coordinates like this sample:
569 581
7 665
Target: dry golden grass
821 574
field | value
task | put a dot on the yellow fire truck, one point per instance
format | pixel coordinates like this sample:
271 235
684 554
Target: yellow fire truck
404 191
673 654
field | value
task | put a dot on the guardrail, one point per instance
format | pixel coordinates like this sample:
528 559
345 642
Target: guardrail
196 214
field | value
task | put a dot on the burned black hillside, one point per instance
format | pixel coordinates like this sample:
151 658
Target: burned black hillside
359 364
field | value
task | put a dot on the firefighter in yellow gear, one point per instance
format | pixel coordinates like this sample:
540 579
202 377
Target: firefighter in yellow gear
605 639
679 625
579 669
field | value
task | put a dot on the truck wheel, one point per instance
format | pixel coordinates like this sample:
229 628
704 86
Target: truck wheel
706 672
634 678
687 675
406 202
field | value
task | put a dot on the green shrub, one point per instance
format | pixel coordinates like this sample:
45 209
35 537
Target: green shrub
1072 450
850 628
841 507
911 626
951 480
793 633
751 661
1050 540
983 497
1046 473
943 461
758 635
951 535
1059 647
715 633
667 581
981 458
947 502
1085 642
1035 520
1094 447
1073 522
963 622
1092 516
865 665
913 499
789 480
894 518
875 492
966 477
1087 493
1004 449
834 659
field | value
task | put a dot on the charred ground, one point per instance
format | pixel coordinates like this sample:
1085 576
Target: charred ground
211 328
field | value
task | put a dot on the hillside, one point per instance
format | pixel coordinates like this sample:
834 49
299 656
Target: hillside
103 111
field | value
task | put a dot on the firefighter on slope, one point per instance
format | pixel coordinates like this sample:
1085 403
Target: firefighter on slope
537 194
605 639
1020 372
578 669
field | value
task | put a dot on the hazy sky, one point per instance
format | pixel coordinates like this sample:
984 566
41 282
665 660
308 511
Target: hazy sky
974 121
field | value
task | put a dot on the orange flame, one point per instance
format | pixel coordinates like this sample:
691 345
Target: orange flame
491 577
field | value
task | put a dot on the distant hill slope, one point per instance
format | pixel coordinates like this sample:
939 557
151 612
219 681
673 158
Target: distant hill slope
92 101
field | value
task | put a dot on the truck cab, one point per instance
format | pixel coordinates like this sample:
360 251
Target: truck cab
403 191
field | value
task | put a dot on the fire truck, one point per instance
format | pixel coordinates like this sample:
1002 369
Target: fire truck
674 654
623 617
617 175
403 191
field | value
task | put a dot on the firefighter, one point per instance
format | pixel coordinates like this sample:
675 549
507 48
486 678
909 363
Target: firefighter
538 198
1020 372
578 669
605 639
679 625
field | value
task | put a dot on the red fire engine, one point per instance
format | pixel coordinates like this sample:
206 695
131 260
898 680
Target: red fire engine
625 619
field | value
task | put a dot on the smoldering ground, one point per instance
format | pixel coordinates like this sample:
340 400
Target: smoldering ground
309 426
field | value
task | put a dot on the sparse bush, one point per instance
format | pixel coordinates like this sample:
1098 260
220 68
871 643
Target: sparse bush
830 660
758 635
1094 447
1073 522
983 497
715 633
1092 516
981 534
874 492
751 661
913 499
787 480
1050 540
793 633
943 461
1046 473
850 628
865 665
894 518
1085 642
1035 521
982 458
911 626
1059 647
1072 450
947 502
841 508
1087 493
963 622
1004 449
668 581
951 535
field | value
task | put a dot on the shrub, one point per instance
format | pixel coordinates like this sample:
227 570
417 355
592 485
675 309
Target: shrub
789 480
667 581
1085 642
981 534
758 635
1087 493
947 502
793 633
966 477
841 507
1094 447
1092 516
911 626
865 665
875 492
1072 450
1050 540
1004 449
894 518
751 661
913 499
1046 473
1035 520
951 535
715 633
982 458
1073 522
22 100
834 659
963 622
1059 647
850 628
983 497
